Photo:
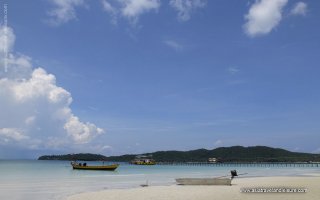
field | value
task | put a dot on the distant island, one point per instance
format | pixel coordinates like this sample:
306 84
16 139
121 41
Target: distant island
79 156
222 154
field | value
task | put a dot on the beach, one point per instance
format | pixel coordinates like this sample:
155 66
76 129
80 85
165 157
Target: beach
179 192
56 180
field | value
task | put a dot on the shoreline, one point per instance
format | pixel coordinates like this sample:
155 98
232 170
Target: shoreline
180 192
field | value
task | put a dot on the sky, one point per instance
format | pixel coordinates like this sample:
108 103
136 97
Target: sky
133 76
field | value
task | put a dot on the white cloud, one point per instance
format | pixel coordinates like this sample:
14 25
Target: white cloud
108 7
173 44
134 8
264 16
34 109
112 11
130 9
186 7
106 147
233 70
300 8
64 11
218 143
30 120
11 134
81 132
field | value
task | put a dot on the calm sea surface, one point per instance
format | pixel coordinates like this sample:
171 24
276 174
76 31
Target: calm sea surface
39 180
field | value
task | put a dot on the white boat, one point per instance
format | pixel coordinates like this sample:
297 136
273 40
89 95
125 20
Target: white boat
222 180
204 181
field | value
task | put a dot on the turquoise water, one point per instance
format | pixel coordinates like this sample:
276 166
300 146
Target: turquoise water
38 180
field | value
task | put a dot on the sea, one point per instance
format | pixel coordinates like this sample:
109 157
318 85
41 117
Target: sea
55 180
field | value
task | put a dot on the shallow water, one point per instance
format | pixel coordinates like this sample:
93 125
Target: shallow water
38 180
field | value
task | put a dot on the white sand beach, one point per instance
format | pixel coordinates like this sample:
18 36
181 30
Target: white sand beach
178 192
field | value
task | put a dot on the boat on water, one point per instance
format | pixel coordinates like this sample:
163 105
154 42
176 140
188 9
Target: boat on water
143 160
204 181
84 166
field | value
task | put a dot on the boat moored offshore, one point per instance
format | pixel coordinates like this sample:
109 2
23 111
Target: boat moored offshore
143 160
84 166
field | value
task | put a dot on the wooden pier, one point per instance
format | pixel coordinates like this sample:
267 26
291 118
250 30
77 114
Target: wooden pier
229 164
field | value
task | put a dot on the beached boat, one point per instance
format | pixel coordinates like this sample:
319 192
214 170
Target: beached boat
204 181
84 166
222 180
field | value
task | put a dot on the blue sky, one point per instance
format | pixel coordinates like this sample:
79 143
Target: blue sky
166 75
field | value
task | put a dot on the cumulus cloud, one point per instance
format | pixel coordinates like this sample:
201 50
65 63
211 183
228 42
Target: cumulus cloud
186 7
300 8
81 132
134 8
130 9
11 134
35 112
64 10
264 16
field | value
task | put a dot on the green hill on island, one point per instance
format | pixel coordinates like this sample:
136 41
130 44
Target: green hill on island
223 154
228 154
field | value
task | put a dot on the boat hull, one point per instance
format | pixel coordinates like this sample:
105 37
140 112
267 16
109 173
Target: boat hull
204 181
104 167
151 163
